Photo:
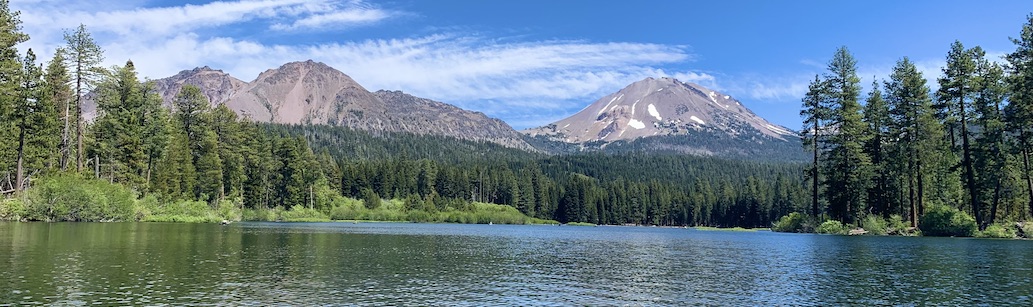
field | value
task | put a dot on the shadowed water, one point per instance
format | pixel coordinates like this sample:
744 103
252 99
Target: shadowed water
477 265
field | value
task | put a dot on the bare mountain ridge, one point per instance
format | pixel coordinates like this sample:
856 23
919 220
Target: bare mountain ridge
313 93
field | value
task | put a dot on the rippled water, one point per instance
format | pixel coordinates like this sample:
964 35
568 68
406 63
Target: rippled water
477 265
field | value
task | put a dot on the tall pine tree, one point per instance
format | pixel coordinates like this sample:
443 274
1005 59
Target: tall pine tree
1019 112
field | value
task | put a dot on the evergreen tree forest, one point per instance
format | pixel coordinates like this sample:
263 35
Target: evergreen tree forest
899 150
908 149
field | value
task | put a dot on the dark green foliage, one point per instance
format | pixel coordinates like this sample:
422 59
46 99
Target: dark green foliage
943 221
370 199
1019 112
848 168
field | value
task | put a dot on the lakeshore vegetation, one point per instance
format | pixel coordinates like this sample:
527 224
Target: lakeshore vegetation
903 159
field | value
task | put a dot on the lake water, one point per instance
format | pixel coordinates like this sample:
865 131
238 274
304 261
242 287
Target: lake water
477 265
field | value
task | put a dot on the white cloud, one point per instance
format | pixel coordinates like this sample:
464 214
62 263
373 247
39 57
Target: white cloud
346 17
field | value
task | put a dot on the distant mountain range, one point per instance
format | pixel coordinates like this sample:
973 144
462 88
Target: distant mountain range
314 93
654 114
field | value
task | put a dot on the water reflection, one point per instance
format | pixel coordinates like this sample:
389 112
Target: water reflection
476 265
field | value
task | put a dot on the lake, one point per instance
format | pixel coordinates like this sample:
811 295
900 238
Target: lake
477 265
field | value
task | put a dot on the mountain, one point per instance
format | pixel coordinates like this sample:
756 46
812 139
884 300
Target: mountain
313 93
664 114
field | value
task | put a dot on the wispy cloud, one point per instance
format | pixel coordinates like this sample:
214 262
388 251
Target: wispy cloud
352 14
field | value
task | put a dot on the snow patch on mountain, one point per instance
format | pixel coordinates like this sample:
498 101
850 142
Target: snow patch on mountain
654 112
634 123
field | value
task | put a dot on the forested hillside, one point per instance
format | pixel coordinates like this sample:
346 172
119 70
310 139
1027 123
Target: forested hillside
902 152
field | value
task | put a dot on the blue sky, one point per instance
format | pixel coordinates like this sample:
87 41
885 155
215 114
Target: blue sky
531 62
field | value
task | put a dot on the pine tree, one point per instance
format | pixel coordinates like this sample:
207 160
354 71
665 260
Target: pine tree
194 118
119 128
954 96
58 95
990 148
30 116
230 146
920 140
10 72
155 129
816 115
1019 111
84 56
848 167
877 117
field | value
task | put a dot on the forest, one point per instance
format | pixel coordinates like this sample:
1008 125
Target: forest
902 153
907 151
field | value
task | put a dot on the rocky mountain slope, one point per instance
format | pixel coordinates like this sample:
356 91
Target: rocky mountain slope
668 114
314 93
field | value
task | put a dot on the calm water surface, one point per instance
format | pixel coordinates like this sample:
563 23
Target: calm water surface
443 264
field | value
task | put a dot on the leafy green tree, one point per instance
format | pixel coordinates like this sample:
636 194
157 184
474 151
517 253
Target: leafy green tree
83 56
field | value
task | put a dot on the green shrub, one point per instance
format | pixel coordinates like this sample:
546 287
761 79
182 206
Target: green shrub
1027 229
72 198
302 214
794 222
832 227
997 231
875 225
187 211
944 221
12 209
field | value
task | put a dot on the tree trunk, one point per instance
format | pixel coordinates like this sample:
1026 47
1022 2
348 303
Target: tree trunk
814 174
997 200
921 190
65 150
970 176
20 172
78 118
1029 178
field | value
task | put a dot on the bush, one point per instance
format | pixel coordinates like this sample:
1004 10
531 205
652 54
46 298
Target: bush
12 209
794 222
997 231
943 221
875 225
832 227
1027 229
184 212
72 198
302 214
